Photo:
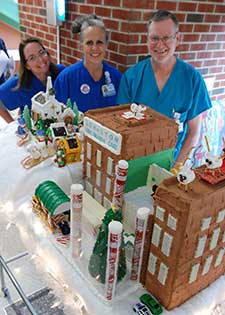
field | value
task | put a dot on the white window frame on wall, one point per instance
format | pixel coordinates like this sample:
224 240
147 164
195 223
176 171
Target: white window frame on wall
89 147
99 158
109 166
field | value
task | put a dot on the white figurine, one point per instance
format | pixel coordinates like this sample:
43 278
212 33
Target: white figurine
185 175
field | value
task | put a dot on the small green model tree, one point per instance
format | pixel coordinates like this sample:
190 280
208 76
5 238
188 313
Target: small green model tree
27 118
97 263
76 112
68 103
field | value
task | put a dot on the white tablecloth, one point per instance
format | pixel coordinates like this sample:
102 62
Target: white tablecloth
16 188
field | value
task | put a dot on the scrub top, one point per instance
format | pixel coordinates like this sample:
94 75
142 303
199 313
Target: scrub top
76 83
183 96
17 98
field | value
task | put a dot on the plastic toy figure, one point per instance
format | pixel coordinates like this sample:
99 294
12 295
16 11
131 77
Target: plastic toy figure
42 143
185 176
22 132
60 159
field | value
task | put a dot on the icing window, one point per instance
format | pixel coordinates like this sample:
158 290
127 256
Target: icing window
98 195
200 247
156 235
110 166
207 264
88 169
194 273
219 257
160 213
108 185
89 151
220 216
152 263
163 271
223 240
106 203
172 222
98 178
214 239
99 158
205 223
166 244
89 188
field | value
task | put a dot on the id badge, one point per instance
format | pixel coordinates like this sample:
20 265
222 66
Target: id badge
108 90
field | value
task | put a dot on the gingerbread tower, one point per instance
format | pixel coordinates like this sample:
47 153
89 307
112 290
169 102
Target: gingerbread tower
188 240
112 134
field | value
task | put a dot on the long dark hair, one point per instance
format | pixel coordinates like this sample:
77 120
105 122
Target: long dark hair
26 75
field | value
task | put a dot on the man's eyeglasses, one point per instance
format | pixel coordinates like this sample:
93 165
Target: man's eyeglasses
164 39
34 58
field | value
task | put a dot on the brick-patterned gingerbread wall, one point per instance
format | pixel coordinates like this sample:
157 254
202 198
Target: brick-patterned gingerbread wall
202 24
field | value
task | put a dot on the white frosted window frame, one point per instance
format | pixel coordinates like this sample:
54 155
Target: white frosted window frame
98 178
223 239
110 166
214 238
99 158
194 273
108 185
172 222
220 216
156 235
89 187
88 170
89 146
207 264
205 223
160 213
200 246
163 272
152 263
106 203
167 244
219 257
98 195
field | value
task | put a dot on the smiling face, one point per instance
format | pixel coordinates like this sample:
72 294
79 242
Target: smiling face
94 45
37 60
163 39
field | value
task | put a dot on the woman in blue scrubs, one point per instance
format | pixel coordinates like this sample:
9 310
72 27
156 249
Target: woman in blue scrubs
35 67
91 82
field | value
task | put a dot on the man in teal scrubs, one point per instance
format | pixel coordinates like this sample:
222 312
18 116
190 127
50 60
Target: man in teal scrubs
167 84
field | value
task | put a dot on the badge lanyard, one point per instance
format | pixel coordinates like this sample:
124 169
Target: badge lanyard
108 89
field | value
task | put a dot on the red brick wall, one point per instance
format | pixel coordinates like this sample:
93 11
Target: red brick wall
202 24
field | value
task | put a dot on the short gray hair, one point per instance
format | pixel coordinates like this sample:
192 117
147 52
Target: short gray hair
162 15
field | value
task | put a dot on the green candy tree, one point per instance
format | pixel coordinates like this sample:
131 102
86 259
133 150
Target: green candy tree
76 112
98 259
27 118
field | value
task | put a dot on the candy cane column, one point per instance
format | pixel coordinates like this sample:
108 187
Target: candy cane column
119 184
76 204
140 231
114 242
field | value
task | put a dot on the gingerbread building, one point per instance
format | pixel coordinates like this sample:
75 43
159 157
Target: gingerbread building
188 240
110 137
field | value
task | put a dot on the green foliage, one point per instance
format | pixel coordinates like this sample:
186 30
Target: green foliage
27 118
76 112
97 263
68 103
